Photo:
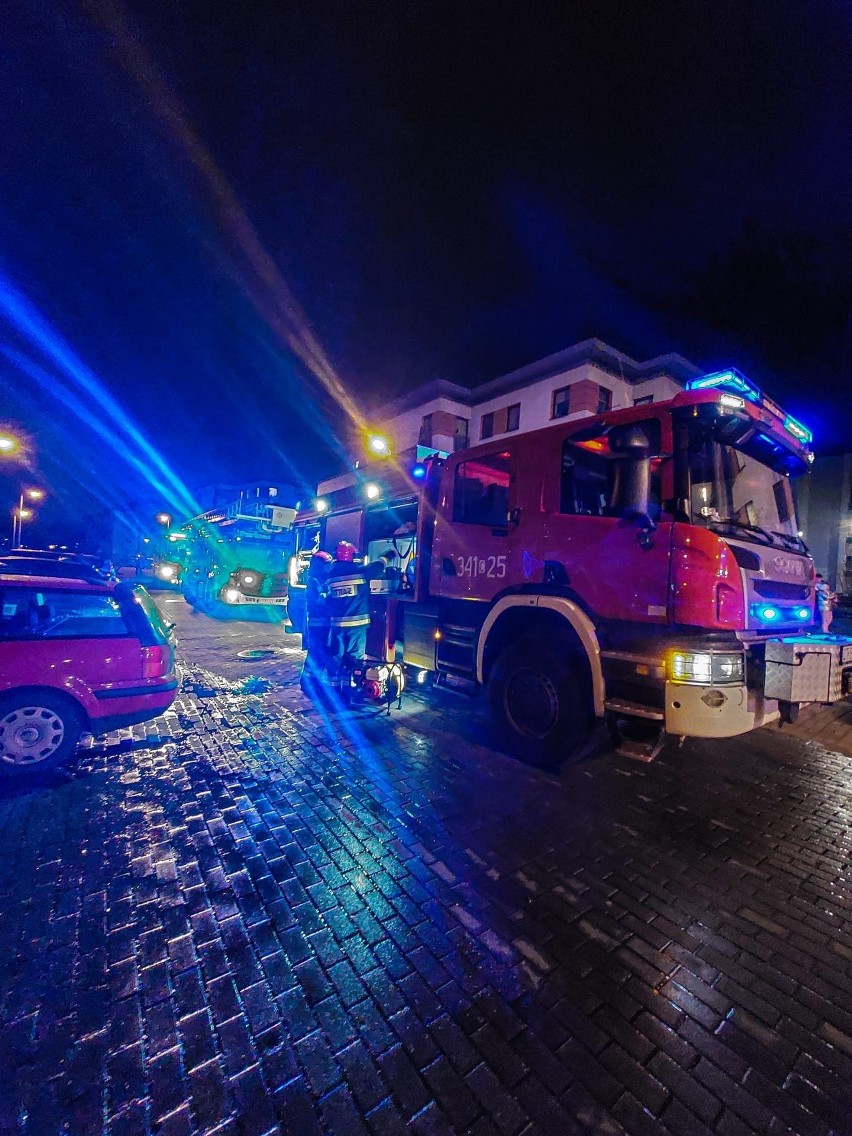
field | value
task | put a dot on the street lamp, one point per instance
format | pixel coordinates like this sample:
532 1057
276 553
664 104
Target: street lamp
163 519
378 444
8 444
22 513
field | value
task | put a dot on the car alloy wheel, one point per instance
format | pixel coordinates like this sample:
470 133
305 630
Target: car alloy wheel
30 735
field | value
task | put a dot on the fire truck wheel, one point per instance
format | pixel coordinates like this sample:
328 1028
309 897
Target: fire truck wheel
541 703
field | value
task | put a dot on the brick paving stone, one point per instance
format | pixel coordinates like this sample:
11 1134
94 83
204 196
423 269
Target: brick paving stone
386 1120
246 919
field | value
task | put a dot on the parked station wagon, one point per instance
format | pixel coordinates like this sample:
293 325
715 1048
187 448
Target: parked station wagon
76 656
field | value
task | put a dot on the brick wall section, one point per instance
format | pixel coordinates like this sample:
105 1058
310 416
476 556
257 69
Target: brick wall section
584 396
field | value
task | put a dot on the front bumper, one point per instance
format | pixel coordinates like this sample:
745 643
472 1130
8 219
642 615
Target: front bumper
715 711
781 674
255 601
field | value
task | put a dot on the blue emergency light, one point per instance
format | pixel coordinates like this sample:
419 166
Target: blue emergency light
800 433
730 380
734 381
772 613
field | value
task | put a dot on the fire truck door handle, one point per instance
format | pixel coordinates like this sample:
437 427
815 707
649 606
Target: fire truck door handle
448 566
645 534
515 516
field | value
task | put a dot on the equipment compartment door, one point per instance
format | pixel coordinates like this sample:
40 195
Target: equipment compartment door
470 559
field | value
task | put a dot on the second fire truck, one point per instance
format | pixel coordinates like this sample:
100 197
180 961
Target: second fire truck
643 566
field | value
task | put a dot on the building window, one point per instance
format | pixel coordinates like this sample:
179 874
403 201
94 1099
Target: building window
481 491
561 402
643 400
424 438
460 434
604 400
486 426
513 417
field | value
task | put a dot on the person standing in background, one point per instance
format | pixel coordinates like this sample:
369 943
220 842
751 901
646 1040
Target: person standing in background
825 603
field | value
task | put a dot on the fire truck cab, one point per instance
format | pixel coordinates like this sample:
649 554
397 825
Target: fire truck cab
643 566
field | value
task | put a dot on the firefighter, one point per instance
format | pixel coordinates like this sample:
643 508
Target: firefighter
349 611
317 657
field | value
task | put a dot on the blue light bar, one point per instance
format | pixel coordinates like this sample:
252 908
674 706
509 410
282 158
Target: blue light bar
800 433
766 613
772 613
730 380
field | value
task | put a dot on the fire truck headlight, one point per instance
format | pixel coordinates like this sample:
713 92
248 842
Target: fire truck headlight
727 668
702 667
687 666
803 613
232 595
248 578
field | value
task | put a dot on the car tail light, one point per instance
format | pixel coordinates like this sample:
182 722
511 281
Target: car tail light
157 662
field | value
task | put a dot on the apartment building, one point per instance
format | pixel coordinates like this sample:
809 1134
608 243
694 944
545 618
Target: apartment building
586 379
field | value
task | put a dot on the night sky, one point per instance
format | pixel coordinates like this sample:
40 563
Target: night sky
202 204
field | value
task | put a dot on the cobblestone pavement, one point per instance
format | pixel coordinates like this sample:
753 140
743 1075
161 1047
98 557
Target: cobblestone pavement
251 917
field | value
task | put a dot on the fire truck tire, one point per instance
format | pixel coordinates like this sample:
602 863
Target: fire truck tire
541 702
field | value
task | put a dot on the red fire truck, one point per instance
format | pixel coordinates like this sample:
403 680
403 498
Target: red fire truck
643 566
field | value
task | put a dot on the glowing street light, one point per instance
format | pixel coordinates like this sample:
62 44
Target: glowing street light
379 445
22 513
163 519
9 444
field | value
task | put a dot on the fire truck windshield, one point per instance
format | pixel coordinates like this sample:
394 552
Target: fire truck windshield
731 487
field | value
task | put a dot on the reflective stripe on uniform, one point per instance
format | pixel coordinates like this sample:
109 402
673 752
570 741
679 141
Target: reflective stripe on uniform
350 621
346 582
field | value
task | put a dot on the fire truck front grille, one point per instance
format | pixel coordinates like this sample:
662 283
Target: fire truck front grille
779 590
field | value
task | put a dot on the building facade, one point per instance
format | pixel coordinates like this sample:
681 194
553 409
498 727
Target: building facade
581 381
824 498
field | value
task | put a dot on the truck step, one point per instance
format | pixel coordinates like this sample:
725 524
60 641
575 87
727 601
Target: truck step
459 683
641 751
633 709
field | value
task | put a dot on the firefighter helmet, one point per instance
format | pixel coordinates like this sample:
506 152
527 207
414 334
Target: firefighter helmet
346 551
322 557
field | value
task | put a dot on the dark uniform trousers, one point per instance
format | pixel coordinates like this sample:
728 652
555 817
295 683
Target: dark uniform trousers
349 613
317 658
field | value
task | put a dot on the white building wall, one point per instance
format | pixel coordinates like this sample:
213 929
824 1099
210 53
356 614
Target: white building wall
591 363
537 399
403 430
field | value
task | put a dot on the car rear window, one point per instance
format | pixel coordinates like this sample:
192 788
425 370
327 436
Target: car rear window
143 614
39 613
